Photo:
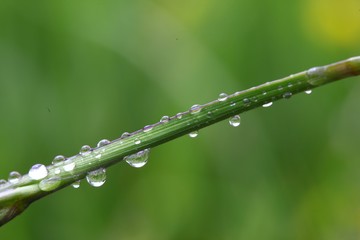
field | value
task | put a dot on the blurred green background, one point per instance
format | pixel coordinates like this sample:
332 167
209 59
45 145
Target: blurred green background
75 72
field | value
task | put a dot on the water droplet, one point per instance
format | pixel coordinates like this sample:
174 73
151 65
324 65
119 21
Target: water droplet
290 85
178 116
58 159
14 177
96 178
267 104
85 150
280 88
49 184
125 135
254 99
246 102
235 121
223 97
103 142
147 128
57 171
137 141
38 171
233 104
165 119
287 95
194 134
308 91
264 93
138 159
316 75
195 109
2 182
69 165
76 184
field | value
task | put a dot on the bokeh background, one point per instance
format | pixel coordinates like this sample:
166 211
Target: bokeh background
75 72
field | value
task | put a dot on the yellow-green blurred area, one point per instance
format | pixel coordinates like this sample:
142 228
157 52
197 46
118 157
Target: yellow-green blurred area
75 72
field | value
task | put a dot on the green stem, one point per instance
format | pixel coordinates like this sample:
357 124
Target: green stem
15 197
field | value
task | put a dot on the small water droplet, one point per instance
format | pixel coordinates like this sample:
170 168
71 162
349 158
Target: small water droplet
138 159
58 159
267 104
235 121
85 150
264 93
125 135
178 116
246 102
195 109
137 141
233 104
165 119
2 182
38 171
96 178
57 171
49 184
69 165
280 88
290 85
287 95
308 91
103 142
223 97
254 99
76 184
194 134
14 177
147 128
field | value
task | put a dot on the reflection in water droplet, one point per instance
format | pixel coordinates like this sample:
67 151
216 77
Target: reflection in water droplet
85 150
49 184
287 95
195 109
38 171
165 119
194 134
96 178
235 121
103 142
69 165
267 104
147 128
76 184
14 177
308 91
58 159
223 97
138 159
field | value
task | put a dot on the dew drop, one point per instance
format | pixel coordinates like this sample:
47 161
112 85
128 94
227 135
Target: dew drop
178 115
165 119
267 104
194 134
137 141
96 178
2 182
14 177
147 128
287 95
103 142
233 104
223 97
76 184
308 91
246 102
138 159
125 135
69 165
38 171
49 184
85 150
58 159
57 171
235 121
195 109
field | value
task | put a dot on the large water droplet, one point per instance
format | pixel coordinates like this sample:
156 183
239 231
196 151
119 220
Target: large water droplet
138 159
69 165
165 119
287 95
235 121
308 91
223 97
194 134
76 184
96 178
195 109
103 142
85 150
38 171
267 104
49 184
147 128
58 159
14 177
